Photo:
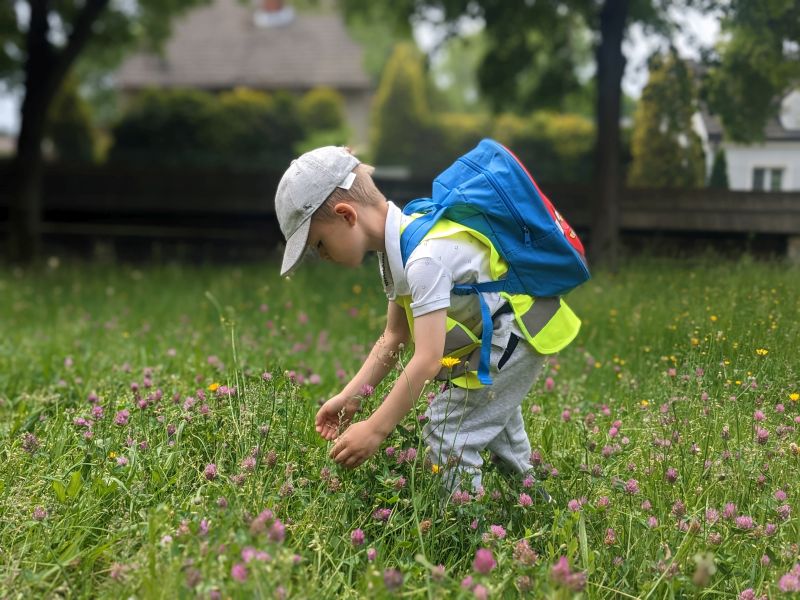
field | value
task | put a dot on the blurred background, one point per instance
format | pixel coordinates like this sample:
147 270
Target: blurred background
151 130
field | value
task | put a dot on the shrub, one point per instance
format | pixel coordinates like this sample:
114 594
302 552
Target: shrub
322 109
258 129
667 152
169 127
719 171
69 125
401 126
554 147
240 128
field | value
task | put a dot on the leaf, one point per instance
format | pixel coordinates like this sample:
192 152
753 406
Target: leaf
60 491
75 484
547 438
583 541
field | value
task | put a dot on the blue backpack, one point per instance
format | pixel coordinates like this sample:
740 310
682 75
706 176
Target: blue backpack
490 190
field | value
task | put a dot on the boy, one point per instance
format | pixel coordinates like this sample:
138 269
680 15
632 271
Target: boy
327 202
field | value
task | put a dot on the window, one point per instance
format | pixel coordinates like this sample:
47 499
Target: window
758 179
775 180
768 179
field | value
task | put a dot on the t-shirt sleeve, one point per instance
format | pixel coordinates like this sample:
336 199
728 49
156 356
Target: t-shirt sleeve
430 283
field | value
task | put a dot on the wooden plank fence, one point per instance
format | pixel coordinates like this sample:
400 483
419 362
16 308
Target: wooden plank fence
111 203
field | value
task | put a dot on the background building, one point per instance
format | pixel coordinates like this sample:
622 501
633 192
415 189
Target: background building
772 165
266 46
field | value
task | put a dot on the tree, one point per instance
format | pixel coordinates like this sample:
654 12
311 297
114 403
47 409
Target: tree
401 115
719 171
533 50
755 66
667 152
70 127
43 39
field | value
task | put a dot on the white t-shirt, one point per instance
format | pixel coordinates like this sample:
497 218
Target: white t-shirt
433 268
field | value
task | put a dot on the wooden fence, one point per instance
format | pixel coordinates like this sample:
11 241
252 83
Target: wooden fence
228 209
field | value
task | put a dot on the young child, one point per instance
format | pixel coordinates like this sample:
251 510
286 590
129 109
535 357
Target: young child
327 203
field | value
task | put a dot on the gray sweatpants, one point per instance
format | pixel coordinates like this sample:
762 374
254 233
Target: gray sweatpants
461 422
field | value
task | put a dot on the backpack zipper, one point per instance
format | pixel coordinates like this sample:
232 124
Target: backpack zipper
506 200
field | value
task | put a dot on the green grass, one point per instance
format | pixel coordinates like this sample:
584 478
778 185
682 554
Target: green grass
682 354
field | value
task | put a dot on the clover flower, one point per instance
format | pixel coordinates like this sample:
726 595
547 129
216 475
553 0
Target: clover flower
561 574
357 537
392 579
239 572
484 561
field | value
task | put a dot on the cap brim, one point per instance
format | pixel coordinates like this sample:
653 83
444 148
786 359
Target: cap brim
295 248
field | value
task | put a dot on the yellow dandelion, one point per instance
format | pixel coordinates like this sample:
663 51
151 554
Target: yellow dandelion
213 387
713 318
762 351
434 469
794 396
644 403
112 455
449 362
695 341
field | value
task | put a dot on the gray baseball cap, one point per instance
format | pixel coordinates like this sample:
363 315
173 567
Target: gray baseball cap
304 187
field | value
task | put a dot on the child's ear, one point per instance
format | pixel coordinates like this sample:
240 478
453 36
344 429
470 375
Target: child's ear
346 211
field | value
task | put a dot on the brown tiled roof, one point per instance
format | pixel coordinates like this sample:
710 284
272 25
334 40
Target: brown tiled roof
219 47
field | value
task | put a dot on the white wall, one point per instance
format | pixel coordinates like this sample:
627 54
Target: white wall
743 159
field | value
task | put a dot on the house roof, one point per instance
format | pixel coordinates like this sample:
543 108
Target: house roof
219 47
774 131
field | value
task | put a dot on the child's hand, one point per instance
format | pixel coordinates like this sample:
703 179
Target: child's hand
356 445
334 415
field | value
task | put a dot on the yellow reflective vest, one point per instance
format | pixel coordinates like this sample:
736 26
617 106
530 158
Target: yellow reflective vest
547 324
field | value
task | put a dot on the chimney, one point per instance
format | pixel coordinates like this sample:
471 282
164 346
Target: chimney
273 13
271 6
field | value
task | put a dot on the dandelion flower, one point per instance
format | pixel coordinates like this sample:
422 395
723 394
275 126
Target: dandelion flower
449 362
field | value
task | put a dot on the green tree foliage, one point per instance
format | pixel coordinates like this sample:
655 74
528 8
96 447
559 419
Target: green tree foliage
719 171
41 42
667 152
404 129
758 62
240 129
168 127
258 129
322 109
70 127
555 147
401 122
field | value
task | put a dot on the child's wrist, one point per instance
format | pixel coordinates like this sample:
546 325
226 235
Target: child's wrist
380 426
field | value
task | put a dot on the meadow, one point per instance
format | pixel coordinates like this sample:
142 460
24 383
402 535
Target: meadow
157 441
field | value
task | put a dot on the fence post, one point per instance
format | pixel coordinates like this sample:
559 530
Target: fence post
793 249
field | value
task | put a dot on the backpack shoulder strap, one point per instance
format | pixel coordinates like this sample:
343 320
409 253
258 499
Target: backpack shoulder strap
412 235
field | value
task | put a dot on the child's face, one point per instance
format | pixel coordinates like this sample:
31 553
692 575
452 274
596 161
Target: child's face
338 240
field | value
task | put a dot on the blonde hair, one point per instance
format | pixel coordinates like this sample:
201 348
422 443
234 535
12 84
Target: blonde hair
363 192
